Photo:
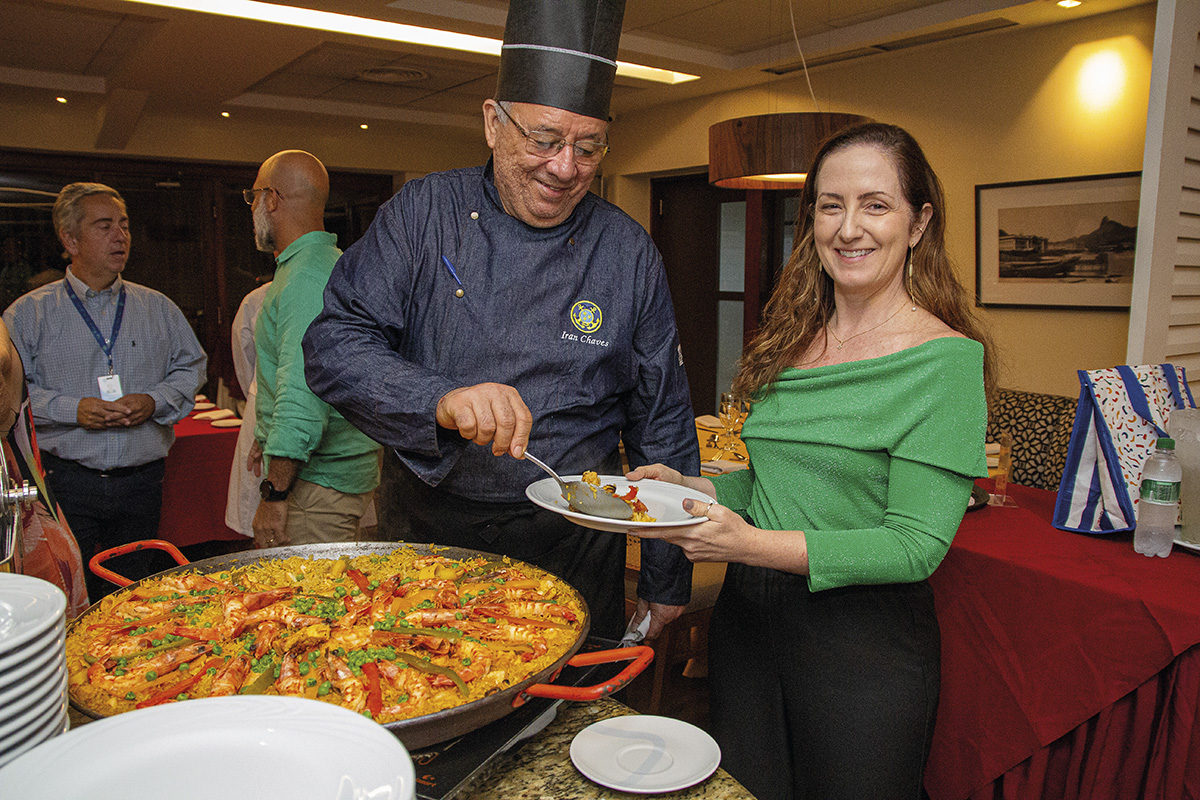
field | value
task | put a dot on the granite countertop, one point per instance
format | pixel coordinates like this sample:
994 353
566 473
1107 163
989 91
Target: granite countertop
542 770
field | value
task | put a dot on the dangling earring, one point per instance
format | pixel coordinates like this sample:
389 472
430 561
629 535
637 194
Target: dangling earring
911 295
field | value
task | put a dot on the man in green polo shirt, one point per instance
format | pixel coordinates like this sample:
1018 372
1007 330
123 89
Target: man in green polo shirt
321 472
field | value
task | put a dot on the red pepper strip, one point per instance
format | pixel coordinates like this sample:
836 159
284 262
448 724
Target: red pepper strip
359 579
370 672
175 689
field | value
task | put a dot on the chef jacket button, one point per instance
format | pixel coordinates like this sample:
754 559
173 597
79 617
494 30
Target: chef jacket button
572 240
474 215
458 292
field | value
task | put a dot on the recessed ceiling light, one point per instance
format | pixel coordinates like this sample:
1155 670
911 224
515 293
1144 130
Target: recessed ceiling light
225 114
363 126
379 29
61 99
1069 3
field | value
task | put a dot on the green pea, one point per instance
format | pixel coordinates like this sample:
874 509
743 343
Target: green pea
151 675
324 689
130 696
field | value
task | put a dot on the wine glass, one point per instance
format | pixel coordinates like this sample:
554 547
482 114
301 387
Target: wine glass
732 412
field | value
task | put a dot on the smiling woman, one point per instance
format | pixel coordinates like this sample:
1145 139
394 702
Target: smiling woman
864 434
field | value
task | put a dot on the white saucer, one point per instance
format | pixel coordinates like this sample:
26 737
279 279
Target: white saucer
645 754
664 502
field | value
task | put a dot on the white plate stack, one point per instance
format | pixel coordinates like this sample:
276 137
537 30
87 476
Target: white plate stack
33 665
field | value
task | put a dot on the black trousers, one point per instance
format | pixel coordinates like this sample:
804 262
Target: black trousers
823 695
105 509
591 561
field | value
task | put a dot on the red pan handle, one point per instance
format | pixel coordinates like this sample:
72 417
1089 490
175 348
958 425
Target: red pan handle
640 655
120 550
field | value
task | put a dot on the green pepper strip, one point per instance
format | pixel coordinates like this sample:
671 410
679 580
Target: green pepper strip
263 682
515 647
160 648
434 669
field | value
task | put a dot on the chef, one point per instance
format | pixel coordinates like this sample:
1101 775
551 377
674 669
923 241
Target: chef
504 306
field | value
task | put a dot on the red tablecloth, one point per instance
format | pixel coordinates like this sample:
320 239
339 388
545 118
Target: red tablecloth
196 483
1069 663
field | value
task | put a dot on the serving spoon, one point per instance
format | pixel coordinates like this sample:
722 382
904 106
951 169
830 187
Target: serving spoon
585 499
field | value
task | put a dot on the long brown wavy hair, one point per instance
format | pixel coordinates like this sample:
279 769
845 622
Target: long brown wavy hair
802 302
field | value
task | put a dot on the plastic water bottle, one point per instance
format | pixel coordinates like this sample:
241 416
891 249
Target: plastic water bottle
1159 504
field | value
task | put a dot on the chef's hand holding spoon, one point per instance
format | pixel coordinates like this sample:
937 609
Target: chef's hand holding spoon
488 413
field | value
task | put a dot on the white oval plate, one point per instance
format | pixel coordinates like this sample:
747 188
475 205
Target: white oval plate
38 687
236 747
34 735
48 705
645 754
28 608
51 644
664 502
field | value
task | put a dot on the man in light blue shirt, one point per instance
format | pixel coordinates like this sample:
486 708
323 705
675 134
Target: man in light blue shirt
111 367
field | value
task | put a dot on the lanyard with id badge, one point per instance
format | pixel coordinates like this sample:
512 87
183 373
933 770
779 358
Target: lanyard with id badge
110 384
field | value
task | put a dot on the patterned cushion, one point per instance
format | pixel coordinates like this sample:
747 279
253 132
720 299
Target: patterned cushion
1041 428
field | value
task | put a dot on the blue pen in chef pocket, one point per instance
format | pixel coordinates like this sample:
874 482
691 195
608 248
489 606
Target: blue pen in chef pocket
459 291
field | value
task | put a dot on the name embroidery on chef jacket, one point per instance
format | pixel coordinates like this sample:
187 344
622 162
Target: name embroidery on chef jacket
587 318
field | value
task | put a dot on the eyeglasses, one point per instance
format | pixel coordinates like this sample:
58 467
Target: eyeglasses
248 194
546 145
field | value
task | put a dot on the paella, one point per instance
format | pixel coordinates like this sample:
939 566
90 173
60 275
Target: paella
391 635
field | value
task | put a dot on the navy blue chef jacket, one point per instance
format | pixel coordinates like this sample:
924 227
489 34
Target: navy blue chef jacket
576 317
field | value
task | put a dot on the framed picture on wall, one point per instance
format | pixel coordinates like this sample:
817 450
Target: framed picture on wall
1064 242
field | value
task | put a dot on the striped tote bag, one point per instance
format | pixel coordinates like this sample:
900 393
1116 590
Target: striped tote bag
1121 413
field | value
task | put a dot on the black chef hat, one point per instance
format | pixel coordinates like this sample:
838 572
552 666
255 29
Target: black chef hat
561 53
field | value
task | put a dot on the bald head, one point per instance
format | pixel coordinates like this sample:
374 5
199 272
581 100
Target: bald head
296 204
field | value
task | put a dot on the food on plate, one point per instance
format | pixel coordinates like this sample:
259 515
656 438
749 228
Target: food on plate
630 497
392 636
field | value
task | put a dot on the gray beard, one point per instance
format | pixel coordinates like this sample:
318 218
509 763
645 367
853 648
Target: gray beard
264 237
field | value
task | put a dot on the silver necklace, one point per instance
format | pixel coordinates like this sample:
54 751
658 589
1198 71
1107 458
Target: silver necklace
868 330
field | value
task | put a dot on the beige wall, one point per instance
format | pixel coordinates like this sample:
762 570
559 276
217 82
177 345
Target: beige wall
987 109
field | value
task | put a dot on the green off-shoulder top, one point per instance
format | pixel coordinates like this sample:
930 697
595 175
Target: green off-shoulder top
873 460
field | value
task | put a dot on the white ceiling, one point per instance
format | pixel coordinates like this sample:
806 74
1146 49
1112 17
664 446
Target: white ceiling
136 58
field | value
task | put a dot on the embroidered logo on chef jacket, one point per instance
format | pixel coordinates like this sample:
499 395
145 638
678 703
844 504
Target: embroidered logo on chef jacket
586 316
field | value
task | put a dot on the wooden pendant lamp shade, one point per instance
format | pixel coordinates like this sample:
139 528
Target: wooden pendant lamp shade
770 151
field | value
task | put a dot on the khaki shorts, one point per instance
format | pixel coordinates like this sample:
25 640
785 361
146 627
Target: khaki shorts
317 514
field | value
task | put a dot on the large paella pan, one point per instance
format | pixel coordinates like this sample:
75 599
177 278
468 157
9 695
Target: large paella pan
431 641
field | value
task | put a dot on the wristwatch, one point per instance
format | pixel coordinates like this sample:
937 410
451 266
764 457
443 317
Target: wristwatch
270 493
